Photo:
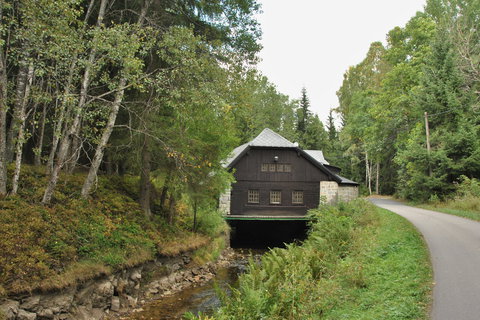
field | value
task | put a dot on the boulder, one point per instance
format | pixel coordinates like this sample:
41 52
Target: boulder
136 275
31 303
25 315
115 304
9 309
102 294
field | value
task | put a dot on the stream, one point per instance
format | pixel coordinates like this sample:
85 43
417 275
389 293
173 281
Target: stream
202 298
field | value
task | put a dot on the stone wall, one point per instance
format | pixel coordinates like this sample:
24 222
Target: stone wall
225 201
328 192
331 192
119 292
347 193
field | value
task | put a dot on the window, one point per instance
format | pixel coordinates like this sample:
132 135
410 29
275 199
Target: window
253 196
276 167
275 197
297 197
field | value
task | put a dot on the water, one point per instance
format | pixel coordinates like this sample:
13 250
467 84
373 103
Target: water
198 299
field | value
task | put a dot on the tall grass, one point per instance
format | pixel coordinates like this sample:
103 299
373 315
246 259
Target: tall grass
465 202
359 262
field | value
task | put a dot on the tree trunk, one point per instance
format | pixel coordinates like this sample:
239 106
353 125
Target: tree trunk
75 149
65 142
368 173
39 147
58 127
195 216
16 119
97 160
163 196
107 131
3 124
21 131
377 180
171 209
145 184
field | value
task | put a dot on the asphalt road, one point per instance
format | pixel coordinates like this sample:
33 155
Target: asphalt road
454 245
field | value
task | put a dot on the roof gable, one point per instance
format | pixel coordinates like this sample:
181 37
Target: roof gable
270 139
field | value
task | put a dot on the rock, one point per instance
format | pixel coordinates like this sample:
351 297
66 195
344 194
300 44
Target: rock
152 291
131 301
102 294
58 303
115 304
31 303
25 315
10 309
46 314
85 313
84 296
121 286
136 275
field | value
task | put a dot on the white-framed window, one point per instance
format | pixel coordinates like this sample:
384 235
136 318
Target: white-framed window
287 167
297 197
271 167
275 197
279 167
253 196
264 167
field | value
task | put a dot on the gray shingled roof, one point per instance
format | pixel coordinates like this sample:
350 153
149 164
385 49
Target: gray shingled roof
317 155
268 138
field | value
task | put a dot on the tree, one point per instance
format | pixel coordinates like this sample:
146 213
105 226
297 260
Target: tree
303 113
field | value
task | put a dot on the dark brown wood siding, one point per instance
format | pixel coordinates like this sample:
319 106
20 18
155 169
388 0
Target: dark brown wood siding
304 176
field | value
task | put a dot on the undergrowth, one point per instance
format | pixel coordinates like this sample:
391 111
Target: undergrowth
72 240
465 202
359 262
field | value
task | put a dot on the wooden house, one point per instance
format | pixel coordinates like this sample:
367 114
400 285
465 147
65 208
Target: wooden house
275 178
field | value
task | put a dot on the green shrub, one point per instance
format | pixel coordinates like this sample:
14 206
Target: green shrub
358 262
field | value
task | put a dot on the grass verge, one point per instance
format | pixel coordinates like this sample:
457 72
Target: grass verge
359 262
466 207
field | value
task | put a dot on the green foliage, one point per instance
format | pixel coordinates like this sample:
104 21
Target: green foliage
358 262
38 243
465 202
427 66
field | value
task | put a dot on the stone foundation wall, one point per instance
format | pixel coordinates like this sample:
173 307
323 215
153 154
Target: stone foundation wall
347 193
225 201
331 192
112 294
328 192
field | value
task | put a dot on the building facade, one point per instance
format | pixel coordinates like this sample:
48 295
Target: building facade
274 177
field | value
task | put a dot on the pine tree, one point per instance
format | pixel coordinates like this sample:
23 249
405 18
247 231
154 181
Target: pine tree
332 131
303 113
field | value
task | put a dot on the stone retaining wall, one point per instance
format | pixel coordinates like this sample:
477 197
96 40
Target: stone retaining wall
119 292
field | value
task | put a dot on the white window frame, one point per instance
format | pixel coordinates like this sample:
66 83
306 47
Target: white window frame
297 197
275 197
253 196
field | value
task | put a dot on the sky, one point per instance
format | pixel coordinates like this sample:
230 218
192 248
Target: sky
311 43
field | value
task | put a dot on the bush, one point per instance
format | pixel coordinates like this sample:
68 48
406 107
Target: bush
356 260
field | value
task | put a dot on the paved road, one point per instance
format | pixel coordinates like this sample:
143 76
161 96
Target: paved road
454 245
